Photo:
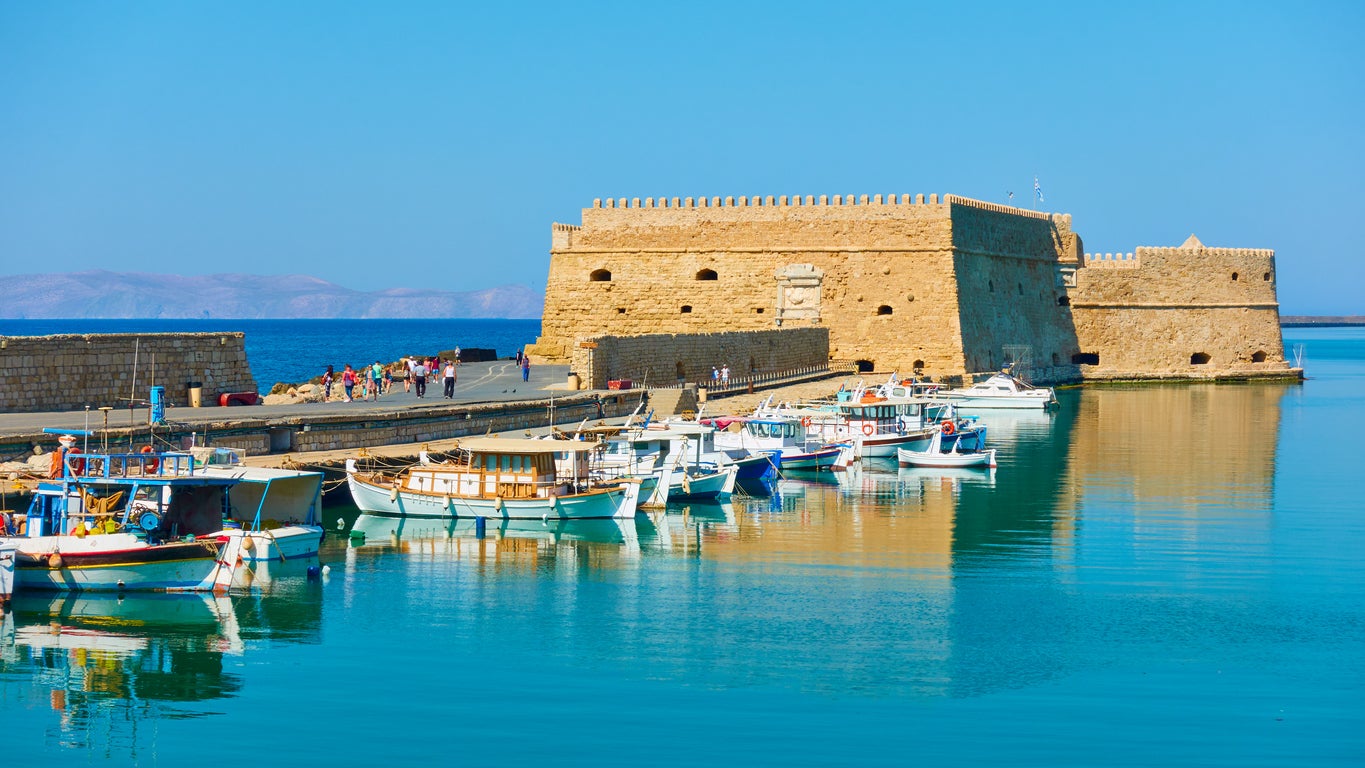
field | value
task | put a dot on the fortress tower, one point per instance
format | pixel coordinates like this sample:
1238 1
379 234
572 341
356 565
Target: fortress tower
950 287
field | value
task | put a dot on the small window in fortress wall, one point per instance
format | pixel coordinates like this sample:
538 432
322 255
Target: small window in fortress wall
600 276
620 310
1063 301
706 274
884 310
687 309
1199 358
758 310
1234 277
1258 357
1266 277
1085 358
917 366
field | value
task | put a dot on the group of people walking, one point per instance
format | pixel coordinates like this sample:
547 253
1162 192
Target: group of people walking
372 381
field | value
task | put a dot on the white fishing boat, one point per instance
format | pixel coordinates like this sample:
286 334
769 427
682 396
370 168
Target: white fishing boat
936 455
999 391
497 477
278 510
784 439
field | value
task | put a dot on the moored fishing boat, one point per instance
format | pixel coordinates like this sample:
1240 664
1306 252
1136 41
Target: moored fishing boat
498 477
937 455
82 531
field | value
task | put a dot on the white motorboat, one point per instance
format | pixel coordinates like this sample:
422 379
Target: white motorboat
999 391
498 477
936 455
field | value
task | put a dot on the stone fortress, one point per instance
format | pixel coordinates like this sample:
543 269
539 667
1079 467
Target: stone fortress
946 287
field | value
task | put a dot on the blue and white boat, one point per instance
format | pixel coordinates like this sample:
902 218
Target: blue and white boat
82 531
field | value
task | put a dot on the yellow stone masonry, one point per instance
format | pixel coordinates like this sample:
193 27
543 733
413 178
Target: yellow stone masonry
949 286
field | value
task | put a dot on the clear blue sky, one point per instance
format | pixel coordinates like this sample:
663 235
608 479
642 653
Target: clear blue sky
432 144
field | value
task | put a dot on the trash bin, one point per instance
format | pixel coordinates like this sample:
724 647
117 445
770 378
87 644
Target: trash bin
573 381
158 405
196 393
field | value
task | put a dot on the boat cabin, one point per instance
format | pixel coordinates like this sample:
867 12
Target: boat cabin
492 467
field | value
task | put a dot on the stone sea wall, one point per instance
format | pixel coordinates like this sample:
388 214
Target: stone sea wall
664 359
71 371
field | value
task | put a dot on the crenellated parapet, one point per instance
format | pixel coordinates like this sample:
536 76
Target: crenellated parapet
770 201
1111 261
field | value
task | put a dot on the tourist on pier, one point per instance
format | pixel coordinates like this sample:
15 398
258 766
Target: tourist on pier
327 383
449 372
725 375
715 376
457 354
419 378
388 379
376 379
518 357
525 368
348 381
409 372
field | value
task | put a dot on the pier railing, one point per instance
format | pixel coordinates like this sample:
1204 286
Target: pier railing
749 382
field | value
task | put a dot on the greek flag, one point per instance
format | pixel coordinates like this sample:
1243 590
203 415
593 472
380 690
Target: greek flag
1037 190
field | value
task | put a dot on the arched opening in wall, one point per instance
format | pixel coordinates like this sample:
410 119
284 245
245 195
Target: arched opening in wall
917 367
884 309
687 309
1234 277
1199 358
706 274
1085 358
1258 357
865 366
1056 359
1266 277
600 276
1063 301
682 371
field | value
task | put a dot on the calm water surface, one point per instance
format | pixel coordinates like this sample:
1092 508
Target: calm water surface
1154 575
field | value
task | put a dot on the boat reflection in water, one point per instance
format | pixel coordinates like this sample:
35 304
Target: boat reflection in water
506 541
109 663
110 666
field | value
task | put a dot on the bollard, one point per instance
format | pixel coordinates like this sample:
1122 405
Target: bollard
480 527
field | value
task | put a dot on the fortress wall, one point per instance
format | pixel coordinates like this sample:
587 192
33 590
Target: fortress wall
1009 288
887 273
665 359
70 371
1166 305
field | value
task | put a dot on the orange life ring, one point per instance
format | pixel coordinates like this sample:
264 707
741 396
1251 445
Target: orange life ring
948 428
805 421
149 465
868 429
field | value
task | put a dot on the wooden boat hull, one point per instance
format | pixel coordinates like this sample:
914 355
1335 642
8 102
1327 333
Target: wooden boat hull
284 543
982 459
814 460
705 487
87 564
608 502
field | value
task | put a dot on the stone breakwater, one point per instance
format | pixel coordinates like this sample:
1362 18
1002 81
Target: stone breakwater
73 371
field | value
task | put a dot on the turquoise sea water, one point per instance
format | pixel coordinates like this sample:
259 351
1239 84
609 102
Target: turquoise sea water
1161 575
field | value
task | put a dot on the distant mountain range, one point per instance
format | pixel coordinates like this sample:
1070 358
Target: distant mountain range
134 295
